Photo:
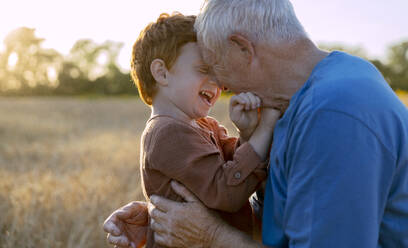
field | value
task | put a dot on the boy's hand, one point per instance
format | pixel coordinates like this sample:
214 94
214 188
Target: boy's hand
269 117
243 112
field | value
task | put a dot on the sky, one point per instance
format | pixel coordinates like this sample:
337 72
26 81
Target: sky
372 24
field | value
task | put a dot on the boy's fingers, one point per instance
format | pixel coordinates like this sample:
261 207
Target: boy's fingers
258 102
183 192
252 100
236 110
246 100
237 99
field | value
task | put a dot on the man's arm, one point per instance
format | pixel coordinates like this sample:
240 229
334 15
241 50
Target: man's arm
338 174
191 224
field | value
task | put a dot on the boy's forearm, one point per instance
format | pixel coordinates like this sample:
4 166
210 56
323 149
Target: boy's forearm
261 140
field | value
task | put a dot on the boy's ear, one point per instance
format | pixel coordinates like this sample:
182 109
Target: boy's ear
243 45
159 71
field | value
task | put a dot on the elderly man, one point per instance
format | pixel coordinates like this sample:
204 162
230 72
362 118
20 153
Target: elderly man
338 173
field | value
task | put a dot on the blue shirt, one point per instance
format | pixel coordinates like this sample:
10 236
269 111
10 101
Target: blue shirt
338 174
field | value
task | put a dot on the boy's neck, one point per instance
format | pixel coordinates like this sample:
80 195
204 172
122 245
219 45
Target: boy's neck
168 109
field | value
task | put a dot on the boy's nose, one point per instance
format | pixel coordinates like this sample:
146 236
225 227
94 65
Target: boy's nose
212 78
213 81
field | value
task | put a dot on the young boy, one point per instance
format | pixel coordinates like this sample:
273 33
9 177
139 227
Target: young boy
180 142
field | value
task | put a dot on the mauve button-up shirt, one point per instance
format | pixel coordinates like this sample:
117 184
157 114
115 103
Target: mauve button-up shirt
212 165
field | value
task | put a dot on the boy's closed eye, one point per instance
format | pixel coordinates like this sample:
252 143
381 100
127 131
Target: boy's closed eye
204 69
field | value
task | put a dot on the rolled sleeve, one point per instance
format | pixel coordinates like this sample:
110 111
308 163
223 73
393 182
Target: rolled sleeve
246 161
180 153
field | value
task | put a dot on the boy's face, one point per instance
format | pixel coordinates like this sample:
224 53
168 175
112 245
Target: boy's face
190 88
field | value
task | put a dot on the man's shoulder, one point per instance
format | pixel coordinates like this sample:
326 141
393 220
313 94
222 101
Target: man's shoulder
352 86
349 84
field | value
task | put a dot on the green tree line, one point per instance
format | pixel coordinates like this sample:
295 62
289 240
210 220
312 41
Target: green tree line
26 68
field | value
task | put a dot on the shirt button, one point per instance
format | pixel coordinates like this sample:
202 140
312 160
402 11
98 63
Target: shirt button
237 175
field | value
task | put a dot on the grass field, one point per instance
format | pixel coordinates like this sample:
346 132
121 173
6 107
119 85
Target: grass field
67 163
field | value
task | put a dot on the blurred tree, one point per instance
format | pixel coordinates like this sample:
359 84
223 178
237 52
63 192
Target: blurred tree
25 66
92 68
394 70
354 50
398 66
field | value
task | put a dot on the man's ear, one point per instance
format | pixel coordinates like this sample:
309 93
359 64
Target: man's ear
243 45
159 71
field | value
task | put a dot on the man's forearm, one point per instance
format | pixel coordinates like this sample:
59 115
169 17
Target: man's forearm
226 236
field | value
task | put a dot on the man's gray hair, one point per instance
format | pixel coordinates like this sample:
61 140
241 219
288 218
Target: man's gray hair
260 20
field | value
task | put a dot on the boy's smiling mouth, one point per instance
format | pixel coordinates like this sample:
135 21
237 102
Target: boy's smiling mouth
207 96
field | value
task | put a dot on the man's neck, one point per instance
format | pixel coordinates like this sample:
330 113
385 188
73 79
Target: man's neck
288 67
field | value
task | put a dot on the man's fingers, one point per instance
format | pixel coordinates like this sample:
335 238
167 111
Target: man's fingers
156 214
162 239
110 227
121 241
156 226
162 203
183 192
132 208
134 213
123 214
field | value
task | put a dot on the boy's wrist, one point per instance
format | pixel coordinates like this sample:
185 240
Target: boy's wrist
265 126
244 135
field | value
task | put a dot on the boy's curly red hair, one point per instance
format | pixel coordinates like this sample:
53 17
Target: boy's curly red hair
162 39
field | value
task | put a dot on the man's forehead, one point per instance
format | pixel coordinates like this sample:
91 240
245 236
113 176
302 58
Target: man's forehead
207 55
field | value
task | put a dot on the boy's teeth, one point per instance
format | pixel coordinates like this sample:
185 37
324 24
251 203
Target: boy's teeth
207 94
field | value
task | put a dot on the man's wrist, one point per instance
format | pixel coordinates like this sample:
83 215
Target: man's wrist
227 236
217 235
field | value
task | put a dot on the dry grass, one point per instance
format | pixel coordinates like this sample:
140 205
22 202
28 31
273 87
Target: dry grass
65 165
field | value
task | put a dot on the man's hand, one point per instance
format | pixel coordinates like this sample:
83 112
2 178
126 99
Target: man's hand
182 224
243 112
127 226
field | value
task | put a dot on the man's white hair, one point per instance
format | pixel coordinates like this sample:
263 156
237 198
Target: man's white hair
260 20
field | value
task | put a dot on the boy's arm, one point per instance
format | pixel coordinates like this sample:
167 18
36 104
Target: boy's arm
258 129
182 154
261 138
